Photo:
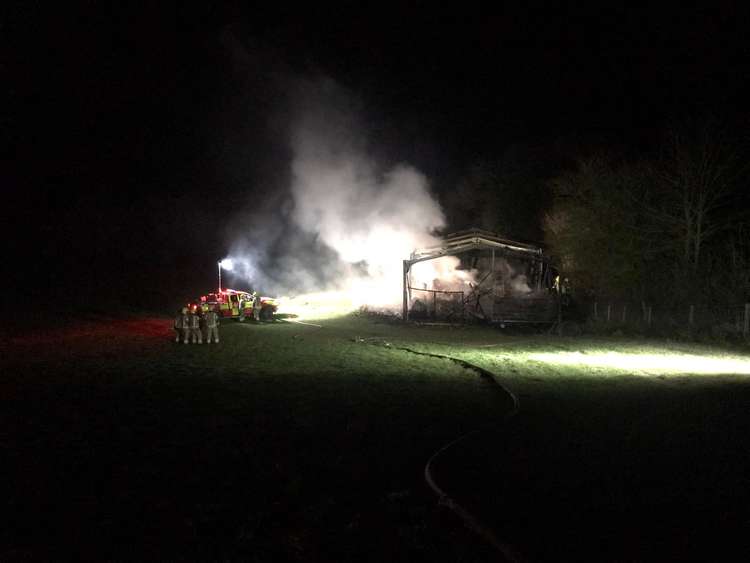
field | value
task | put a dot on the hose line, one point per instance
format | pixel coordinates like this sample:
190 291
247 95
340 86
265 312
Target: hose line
470 520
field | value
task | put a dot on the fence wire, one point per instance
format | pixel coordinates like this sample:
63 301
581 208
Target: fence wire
718 320
436 305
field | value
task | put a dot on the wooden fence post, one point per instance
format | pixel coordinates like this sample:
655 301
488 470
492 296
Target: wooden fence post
691 315
648 317
625 312
596 312
609 311
746 326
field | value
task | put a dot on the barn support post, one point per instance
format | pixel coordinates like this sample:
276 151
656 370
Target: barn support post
539 274
405 312
476 239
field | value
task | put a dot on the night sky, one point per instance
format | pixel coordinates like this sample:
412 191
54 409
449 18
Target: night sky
135 136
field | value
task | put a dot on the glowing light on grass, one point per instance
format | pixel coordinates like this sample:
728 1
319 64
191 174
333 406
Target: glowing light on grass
323 305
649 363
379 291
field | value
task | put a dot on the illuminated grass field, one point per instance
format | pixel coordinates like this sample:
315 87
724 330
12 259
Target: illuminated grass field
301 442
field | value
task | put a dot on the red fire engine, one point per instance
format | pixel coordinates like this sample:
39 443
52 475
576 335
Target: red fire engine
233 304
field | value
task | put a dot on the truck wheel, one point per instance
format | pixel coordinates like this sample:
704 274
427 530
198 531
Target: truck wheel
266 314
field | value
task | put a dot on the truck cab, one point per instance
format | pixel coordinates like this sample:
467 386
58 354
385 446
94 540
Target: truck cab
233 304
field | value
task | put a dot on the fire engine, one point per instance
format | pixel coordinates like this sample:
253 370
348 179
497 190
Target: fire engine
233 304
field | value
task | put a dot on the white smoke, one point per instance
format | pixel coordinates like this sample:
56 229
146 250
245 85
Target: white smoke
350 218
513 282
372 216
442 274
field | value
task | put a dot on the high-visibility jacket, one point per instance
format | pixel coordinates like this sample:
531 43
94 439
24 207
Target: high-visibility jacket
211 319
194 321
181 321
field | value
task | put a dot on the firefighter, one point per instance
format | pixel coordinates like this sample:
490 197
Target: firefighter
211 320
185 325
180 325
195 327
202 310
256 306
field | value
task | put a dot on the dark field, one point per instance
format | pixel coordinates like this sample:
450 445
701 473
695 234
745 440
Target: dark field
292 442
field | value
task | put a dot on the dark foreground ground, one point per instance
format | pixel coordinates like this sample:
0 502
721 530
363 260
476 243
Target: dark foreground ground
294 443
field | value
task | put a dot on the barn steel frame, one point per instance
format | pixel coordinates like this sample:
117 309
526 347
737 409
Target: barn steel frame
542 306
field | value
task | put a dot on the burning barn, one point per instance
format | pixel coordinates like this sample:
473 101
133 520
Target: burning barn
493 279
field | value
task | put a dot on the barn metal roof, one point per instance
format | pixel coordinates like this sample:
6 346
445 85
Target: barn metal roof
473 239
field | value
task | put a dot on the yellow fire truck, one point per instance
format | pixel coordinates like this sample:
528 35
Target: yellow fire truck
240 305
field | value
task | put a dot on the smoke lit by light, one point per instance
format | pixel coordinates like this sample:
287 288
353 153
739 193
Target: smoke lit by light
227 264
321 305
351 221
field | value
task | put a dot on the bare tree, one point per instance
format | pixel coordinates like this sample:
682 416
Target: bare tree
645 229
697 174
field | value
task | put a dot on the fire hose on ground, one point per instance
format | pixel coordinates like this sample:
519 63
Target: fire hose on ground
470 520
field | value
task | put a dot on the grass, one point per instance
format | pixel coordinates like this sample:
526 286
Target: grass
293 442
652 461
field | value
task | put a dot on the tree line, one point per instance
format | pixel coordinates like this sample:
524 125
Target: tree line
665 226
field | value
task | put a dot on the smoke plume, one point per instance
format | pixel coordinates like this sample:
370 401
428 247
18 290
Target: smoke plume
347 220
